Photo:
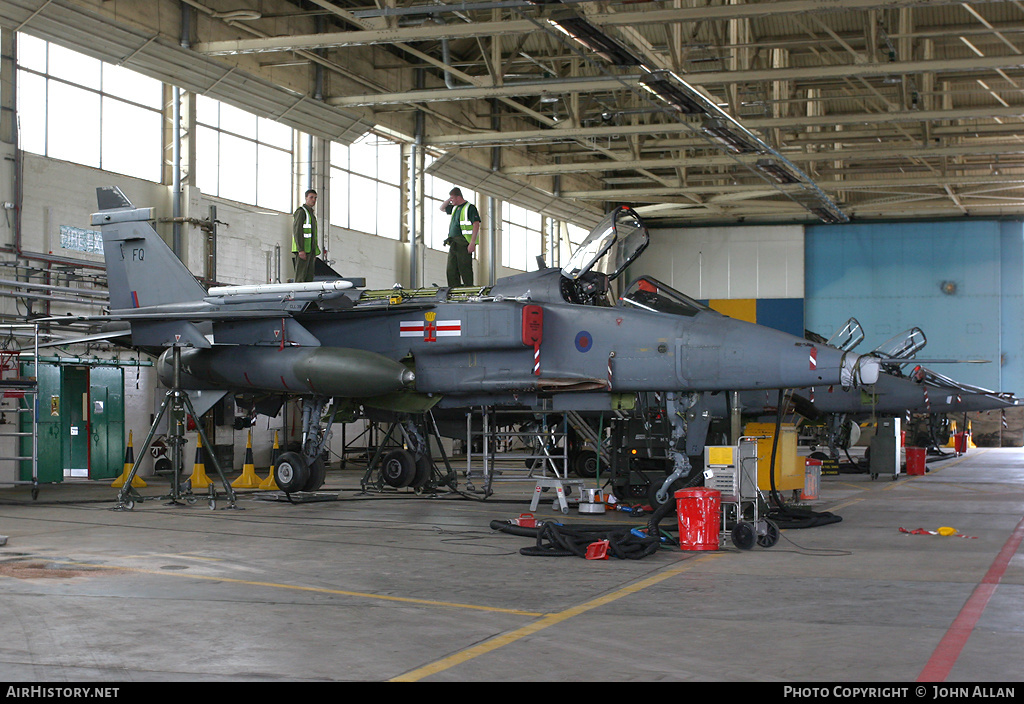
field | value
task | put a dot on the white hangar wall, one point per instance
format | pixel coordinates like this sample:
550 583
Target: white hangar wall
728 262
753 273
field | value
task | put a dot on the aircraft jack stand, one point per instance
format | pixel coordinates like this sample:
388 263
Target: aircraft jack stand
178 402
562 498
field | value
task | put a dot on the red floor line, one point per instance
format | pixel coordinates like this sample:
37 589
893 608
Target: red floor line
952 644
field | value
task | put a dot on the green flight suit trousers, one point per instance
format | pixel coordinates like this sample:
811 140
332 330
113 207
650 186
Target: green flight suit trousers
460 263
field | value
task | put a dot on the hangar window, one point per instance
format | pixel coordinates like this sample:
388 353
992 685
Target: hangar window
522 237
576 235
79 109
365 186
242 157
435 222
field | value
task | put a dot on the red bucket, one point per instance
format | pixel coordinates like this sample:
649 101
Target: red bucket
699 510
960 443
916 461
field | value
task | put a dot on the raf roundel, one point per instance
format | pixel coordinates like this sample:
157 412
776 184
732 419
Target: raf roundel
584 341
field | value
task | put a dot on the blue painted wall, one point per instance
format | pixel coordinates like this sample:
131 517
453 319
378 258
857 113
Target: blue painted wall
890 276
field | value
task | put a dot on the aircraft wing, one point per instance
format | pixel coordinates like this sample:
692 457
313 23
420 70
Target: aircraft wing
98 337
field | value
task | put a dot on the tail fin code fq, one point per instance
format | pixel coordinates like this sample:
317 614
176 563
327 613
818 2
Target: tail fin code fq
141 269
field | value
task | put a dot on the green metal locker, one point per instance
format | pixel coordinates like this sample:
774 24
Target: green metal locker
106 422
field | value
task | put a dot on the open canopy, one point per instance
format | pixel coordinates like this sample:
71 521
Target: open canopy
611 246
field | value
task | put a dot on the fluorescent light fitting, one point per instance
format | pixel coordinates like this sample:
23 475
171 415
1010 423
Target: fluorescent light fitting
597 41
719 131
826 215
661 84
776 171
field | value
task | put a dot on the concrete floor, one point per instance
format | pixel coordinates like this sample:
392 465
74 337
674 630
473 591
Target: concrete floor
406 587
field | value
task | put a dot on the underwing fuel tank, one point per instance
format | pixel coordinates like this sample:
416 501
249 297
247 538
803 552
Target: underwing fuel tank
325 371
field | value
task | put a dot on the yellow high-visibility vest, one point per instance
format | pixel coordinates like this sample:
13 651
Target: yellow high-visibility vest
308 232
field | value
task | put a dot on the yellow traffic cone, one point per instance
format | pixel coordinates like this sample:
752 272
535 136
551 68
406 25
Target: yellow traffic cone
269 484
199 479
248 479
129 461
952 435
970 436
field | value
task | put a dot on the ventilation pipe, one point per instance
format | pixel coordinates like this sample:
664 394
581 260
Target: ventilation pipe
492 237
176 245
415 198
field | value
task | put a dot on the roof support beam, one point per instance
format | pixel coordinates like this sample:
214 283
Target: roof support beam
430 32
710 78
492 138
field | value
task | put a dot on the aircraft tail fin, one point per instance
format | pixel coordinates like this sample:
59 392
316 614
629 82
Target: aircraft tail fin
141 269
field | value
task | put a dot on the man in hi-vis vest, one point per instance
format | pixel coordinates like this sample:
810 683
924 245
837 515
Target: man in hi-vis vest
462 238
304 239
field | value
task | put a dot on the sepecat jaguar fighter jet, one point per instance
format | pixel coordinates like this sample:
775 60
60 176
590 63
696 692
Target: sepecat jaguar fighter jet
552 339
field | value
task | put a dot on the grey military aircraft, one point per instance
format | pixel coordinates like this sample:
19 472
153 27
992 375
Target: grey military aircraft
552 339
897 393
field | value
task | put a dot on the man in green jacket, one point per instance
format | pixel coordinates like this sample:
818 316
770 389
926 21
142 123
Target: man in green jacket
463 232
304 239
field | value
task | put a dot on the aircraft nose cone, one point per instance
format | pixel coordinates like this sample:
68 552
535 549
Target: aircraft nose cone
860 370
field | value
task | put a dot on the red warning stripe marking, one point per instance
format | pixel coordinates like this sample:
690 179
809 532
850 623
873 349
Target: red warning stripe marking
952 644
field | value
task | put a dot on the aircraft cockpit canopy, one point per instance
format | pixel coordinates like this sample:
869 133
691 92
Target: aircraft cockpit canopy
903 346
610 247
650 294
848 336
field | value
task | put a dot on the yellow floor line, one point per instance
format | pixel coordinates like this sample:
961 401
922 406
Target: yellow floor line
545 622
294 587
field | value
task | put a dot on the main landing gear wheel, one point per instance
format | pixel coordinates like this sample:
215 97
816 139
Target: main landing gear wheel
585 464
771 535
743 536
291 472
317 475
423 467
398 468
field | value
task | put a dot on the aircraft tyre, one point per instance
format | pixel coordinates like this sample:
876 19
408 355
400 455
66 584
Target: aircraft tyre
584 463
652 492
424 464
317 475
291 472
743 535
398 468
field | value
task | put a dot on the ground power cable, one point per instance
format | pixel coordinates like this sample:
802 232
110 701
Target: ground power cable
785 516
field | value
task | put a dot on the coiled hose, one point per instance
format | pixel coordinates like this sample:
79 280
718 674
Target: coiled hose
560 540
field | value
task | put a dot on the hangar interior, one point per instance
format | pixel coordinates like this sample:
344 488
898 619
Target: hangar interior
797 163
